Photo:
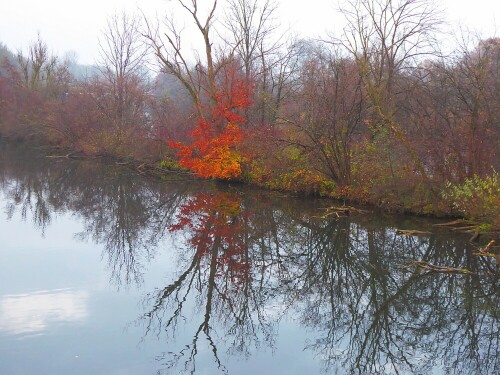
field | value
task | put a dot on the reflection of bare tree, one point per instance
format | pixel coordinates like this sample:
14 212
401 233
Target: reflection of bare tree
129 217
379 319
127 214
30 191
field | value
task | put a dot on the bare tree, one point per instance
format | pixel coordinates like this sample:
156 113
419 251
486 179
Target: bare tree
252 29
280 80
122 56
457 114
251 26
330 108
198 78
385 37
475 80
38 66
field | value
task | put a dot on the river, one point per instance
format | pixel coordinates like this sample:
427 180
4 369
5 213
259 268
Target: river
104 271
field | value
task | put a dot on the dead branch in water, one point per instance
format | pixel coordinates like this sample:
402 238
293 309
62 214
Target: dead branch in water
405 232
454 223
463 226
488 247
421 265
340 211
490 250
71 155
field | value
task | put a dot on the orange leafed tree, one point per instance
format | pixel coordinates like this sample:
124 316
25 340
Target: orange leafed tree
213 152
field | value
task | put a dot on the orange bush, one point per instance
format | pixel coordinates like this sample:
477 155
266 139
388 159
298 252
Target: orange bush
213 152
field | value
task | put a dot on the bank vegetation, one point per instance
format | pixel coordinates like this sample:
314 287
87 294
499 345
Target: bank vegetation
376 114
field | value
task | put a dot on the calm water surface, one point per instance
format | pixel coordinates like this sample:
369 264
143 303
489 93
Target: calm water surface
106 272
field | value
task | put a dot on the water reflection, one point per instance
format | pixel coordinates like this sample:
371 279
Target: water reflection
35 313
252 263
218 276
128 215
249 261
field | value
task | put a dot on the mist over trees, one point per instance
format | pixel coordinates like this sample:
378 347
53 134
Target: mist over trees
375 114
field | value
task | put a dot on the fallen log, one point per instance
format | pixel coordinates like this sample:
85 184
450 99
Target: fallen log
453 223
463 226
407 232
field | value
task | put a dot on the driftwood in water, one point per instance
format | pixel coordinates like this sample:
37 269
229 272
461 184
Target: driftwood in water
406 232
488 247
490 250
420 264
71 155
475 236
454 223
463 226
341 211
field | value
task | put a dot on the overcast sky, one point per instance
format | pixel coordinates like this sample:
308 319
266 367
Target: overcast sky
76 25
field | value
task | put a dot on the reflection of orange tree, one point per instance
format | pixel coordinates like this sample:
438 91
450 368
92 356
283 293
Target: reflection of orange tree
218 277
216 221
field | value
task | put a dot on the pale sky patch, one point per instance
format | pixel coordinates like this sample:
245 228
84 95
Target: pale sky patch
75 26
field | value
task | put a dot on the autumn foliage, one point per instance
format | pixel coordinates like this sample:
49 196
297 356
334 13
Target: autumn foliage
214 224
214 150
424 139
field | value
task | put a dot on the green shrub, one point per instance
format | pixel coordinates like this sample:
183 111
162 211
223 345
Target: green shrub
477 198
171 165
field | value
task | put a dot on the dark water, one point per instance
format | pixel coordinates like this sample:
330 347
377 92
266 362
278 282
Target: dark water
106 272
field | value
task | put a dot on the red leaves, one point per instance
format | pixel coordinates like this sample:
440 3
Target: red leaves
213 153
216 225
212 156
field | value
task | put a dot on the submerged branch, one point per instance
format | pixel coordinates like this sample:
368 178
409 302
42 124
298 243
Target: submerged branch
422 265
340 211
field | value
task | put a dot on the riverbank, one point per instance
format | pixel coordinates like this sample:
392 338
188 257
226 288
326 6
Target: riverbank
475 200
342 147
